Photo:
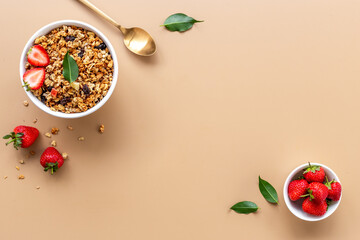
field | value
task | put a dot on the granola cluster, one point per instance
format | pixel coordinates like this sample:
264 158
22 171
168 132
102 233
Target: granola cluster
95 69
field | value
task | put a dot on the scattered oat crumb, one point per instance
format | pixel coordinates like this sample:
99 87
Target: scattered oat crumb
21 176
70 128
54 130
64 155
35 120
26 103
101 128
48 135
17 168
27 156
37 187
81 138
53 143
21 161
5 177
32 153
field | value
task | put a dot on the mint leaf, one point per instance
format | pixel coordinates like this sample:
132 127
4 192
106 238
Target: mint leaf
268 191
245 207
71 69
179 22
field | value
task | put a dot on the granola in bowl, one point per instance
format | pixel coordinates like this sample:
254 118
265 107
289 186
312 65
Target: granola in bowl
44 69
95 66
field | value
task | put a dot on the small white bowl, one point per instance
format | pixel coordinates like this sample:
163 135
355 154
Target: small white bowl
296 206
46 29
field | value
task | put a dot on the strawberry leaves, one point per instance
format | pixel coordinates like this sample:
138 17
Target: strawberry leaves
52 166
268 191
312 168
179 22
245 207
71 69
16 138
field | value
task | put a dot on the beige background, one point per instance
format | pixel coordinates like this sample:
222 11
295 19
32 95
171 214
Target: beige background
259 88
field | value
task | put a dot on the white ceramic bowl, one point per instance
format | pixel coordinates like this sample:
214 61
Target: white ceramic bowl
296 206
46 29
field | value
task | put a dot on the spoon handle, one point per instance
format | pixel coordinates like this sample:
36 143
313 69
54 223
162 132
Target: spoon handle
99 12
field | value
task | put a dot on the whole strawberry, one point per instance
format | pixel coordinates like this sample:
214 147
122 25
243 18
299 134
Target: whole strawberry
314 208
297 188
317 192
22 136
314 174
51 159
334 189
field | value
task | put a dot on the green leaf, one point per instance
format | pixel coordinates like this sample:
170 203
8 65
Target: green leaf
20 134
268 191
245 207
311 168
328 203
71 69
179 22
6 136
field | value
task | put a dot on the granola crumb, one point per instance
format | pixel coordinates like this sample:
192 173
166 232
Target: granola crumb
102 128
64 155
17 168
48 135
37 187
35 120
32 153
21 161
21 176
26 103
70 128
53 143
54 130
5 177
27 156
81 138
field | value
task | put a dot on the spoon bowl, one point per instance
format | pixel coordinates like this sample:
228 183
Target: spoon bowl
139 41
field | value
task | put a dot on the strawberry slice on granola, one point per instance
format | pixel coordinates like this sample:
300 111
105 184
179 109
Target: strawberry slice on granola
34 78
37 56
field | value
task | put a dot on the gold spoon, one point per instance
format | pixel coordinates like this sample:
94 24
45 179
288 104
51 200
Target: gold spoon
136 39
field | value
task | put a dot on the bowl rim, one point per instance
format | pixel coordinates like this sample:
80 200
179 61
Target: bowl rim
294 211
44 30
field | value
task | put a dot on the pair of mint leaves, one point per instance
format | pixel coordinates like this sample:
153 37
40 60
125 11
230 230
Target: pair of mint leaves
268 192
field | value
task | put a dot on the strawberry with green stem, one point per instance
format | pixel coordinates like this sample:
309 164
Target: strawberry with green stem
314 173
317 192
297 188
51 160
314 208
22 136
334 189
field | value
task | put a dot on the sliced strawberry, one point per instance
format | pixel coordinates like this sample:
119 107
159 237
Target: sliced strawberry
34 78
54 92
37 56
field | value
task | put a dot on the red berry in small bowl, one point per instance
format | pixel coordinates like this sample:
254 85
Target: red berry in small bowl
314 208
334 189
317 192
314 173
297 188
